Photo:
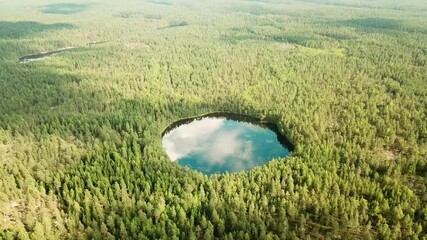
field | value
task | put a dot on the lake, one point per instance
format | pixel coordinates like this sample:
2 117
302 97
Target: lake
219 143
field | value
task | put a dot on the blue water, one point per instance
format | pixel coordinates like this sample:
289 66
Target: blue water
217 145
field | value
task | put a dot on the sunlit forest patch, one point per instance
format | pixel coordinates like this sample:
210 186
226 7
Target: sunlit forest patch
340 52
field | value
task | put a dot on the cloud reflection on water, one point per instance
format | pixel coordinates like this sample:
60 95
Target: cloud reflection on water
214 145
208 138
187 138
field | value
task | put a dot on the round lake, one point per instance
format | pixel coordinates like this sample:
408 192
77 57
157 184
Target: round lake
223 143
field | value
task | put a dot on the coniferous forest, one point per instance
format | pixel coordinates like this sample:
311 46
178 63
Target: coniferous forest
81 153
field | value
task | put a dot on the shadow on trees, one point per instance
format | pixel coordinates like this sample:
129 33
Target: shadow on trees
373 23
174 24
29 93
14 30
238 35
383 25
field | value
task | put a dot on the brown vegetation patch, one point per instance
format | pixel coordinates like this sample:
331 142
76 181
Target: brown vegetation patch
6 151
389 155
286 46
136 45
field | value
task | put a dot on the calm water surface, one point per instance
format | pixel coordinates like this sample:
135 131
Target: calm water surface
218 144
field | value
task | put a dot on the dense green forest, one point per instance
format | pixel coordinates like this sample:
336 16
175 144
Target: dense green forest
80 132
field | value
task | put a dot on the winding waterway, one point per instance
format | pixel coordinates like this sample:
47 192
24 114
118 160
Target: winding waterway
42 55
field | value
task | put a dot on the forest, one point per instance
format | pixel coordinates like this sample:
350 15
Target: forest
81 155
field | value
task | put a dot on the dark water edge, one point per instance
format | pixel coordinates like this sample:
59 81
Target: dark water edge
28 58
36 56
235 117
